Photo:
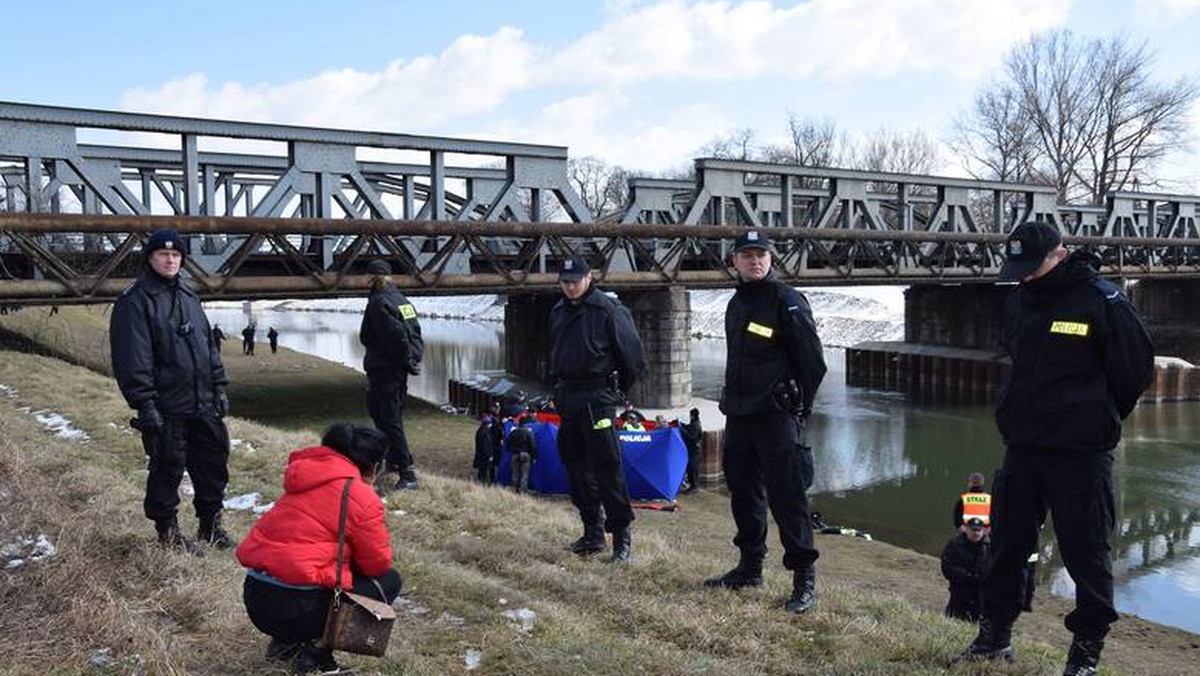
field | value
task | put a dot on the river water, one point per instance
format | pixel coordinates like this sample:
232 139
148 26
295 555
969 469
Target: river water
884 464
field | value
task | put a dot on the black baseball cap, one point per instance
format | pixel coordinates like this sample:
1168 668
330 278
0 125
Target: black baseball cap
574 269
1026 248
379 266
164 239
753 239
975 522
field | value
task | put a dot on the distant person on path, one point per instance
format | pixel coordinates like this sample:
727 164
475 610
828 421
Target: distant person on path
218 337
248 338
1080 360
965 560
974 503
773 368
392 335
169 370
524 453
292 550
273 337
595 357
693 434
484 450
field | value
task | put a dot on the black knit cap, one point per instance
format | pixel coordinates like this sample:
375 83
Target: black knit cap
165 239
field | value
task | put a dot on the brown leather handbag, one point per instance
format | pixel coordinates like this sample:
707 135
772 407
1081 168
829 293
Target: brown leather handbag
355 623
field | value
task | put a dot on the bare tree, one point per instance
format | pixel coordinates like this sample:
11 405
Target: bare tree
995 139
815 143
737 145
892 151
1089 117
602 187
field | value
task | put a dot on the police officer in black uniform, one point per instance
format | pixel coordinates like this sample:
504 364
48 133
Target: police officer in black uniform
1080 360
595 357
392 335
169 369
773 368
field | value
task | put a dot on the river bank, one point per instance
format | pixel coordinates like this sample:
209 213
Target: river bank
464 547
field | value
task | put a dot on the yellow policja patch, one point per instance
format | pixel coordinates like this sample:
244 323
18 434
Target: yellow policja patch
407 311
760 330
1070 328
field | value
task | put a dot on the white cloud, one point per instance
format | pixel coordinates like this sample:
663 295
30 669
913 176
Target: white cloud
599 82
474 73
1173 8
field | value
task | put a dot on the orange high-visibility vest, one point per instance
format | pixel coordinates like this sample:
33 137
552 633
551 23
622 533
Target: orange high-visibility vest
977 506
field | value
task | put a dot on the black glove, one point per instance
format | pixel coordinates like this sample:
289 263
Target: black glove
149 420
221 403
788 397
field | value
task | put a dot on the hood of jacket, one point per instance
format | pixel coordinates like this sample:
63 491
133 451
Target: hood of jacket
316 466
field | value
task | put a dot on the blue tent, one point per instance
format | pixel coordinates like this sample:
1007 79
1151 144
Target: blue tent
654 462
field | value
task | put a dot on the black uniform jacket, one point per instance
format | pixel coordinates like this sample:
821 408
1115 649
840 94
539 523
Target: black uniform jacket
521 440
163 352
390 331
770 336
1080 360
964 564
593 338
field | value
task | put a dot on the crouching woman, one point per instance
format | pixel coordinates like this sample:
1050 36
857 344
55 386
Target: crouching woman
291 552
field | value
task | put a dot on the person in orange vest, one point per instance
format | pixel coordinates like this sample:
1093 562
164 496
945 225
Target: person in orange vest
974 503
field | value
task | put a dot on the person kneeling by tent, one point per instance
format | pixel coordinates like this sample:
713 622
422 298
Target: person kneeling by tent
292 551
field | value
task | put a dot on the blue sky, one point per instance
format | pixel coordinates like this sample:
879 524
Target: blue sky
639 83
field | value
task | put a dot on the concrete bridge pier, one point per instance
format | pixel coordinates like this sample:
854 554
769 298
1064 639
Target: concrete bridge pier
955 315
1170 308
663 321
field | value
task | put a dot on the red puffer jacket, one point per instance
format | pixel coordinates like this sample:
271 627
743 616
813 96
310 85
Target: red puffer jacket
296 542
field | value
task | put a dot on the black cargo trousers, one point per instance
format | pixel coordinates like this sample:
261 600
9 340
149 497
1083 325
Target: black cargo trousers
1077 488
766 463
591 453
199 445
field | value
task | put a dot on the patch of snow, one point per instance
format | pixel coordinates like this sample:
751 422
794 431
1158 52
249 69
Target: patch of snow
503 601
399 512
8 392
844 316
186 487
242 502
402 604
59 425
27 548
473 659
249 447
448 620
259 510
102 658
521 619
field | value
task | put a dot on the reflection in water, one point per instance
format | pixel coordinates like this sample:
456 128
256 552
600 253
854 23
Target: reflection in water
885 465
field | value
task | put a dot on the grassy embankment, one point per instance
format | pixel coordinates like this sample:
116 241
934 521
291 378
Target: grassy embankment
468 554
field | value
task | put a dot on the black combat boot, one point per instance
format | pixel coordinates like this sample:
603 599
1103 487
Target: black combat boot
622 545
1083 657
748 573
212 533
804 590
282 651
591 542
313 659
407 481
170 537
994 642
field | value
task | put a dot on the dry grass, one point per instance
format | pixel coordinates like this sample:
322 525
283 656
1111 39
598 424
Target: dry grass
468 553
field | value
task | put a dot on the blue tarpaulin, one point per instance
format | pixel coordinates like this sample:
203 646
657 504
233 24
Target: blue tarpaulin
654 462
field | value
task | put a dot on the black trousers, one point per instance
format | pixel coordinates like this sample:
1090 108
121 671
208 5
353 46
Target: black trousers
386 390
1077 488
592 458
296 615
199 445
693 467
767 464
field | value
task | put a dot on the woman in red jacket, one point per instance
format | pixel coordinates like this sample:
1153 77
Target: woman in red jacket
291 552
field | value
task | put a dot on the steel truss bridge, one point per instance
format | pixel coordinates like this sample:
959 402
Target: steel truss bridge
283 211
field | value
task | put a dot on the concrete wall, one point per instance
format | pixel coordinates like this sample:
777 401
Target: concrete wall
960 315
527 335
664 321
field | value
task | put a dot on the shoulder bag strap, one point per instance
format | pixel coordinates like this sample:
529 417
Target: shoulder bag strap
337 586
